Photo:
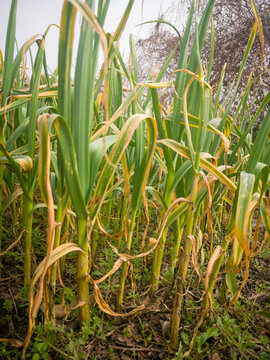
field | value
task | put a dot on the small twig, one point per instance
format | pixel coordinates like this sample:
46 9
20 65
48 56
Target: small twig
12 298
60 351
12 245
11 277
137 349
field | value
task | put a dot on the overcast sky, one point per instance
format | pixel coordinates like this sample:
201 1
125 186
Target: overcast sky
33 17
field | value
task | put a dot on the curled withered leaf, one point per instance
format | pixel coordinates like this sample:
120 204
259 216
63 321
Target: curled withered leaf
215 256
25 162
104 306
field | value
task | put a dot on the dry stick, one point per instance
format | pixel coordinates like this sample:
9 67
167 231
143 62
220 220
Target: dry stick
12 245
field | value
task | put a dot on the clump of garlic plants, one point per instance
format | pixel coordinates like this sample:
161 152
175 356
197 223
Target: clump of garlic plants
107 161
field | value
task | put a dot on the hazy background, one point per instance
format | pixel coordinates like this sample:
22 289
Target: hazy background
33 17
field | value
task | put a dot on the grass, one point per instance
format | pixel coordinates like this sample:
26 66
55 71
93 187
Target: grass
130 218
241 331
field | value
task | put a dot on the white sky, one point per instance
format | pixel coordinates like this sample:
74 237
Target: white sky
33 17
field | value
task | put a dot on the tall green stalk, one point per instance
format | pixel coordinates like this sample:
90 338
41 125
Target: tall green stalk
76 127
28 197
120 294
53 271
82 271
7 85
27 224
1 212
158 254
183 265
